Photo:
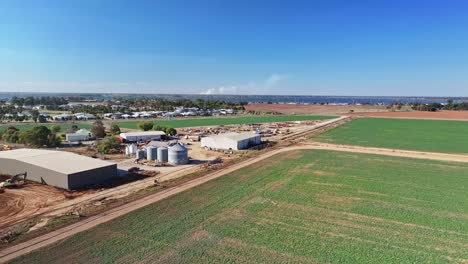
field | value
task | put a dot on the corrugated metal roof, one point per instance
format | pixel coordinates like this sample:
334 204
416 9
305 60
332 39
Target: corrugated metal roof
142 133
178 147
158 144
60 161
236 136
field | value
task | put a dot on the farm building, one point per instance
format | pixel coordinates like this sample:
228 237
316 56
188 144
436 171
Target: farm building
80 135
142 136
233 141
57 168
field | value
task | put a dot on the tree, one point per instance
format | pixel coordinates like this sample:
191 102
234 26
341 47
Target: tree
145 126
166 129
108 145
115 129
42 119
38 137
55 129
170 131
35 115
11 134
157 127
98 130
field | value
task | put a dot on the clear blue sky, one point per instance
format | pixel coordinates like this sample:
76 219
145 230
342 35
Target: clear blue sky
310 47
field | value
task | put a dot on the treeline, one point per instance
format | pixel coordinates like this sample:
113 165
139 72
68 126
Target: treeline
170 105
146 126
49 101
39 136
450 105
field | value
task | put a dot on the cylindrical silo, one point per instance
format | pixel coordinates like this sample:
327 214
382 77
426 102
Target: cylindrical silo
178 154
162 154
133 148
140 154
151 153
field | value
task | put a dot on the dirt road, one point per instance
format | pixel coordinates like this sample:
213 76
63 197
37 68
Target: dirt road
52 237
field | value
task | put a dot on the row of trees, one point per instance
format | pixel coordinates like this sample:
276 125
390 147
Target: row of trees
46 100
38 136
450 105
146 126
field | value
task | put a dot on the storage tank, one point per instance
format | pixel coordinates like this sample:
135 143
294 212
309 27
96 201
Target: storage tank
140 154
127 150
162 154
178 154
151 153
133 149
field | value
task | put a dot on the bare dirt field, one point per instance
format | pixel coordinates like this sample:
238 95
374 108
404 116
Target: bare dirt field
31 198
314 109
448 115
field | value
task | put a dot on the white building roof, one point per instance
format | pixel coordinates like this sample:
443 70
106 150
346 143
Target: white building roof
142 133
236 136
60 161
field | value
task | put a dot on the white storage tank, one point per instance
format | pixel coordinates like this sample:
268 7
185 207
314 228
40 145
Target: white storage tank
151 153
130 149
140 154
162 154
178 154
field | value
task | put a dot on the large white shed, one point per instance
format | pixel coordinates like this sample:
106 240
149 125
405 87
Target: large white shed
142 136
234 141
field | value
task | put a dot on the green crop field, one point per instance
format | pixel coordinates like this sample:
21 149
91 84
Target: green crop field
297 207
196 122
64 126
423 135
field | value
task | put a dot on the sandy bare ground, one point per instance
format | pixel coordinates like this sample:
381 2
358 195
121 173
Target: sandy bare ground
313 109
33 198
54 236
443 115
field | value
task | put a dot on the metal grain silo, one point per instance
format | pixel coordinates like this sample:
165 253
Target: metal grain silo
162 154
140 154
178 154
151 153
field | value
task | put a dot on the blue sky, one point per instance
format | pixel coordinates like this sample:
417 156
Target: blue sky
310 47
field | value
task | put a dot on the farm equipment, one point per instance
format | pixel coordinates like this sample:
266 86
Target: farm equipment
15 181
6 147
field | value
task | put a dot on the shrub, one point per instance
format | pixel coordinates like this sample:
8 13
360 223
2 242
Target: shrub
145 126
98 130
108 145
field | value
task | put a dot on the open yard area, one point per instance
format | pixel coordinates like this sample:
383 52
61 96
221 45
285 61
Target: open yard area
409 134
309 206
197 122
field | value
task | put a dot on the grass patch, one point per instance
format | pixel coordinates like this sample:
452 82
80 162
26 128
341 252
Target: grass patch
423 135
196 122
310 206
